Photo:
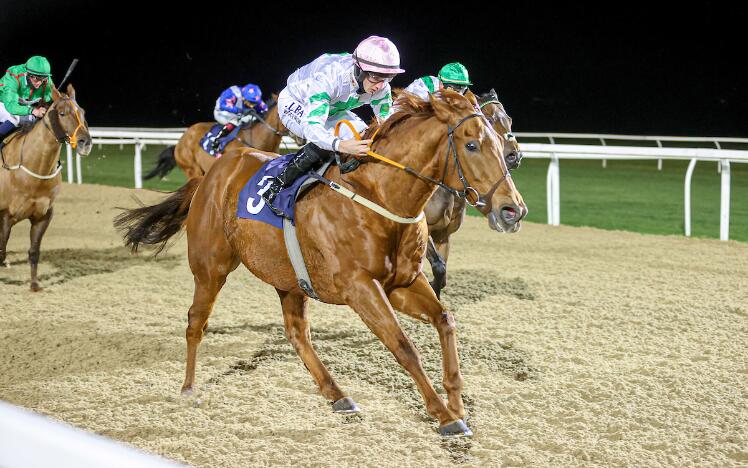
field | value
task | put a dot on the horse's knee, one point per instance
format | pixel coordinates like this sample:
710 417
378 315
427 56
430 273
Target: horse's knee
446 323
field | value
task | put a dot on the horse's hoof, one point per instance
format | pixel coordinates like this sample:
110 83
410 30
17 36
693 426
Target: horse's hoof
455 429
345 406
35 287
187 392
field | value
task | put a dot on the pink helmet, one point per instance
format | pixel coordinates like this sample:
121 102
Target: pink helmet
379 55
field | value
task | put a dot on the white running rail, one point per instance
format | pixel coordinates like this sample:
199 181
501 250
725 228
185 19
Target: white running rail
554 151
28 439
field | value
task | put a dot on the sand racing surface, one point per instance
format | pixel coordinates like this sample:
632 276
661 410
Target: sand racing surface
578 347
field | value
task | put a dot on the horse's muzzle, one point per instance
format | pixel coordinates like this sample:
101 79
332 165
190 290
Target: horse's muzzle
85 144
507 218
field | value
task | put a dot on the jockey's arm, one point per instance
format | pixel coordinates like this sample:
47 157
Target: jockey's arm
317 112
9 94
381 104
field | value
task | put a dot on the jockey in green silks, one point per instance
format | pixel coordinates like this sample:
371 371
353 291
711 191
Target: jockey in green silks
21 89
452 75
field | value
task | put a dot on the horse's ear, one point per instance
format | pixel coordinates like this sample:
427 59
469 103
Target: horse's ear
274 96
55 93
471 97
441 105
71 91
493 94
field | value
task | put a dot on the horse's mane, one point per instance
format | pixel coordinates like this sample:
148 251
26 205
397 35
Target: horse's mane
410 106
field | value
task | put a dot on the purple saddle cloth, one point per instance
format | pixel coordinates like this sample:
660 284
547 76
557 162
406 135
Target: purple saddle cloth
251 204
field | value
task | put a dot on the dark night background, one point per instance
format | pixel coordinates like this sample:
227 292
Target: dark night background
577 68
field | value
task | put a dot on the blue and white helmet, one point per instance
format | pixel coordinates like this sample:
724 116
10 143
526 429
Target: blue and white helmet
252 93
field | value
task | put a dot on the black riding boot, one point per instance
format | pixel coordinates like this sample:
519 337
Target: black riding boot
305 160
224 131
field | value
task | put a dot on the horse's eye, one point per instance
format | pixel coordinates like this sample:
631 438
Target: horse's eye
471 146
62 114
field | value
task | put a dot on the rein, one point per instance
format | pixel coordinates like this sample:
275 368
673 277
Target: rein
451 151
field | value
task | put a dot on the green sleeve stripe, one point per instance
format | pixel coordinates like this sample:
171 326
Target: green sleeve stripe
429 83
386 98
384 110
320 97
323 109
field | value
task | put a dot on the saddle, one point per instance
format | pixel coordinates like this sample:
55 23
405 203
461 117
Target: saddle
251 205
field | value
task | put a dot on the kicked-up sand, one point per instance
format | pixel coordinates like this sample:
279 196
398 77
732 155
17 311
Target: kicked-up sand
578 347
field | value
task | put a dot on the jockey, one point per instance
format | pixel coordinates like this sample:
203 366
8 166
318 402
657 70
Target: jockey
21 89
236 107
323 92
452 75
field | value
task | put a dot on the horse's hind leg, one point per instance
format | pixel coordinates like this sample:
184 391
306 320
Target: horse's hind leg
369 300
5 226
297 331
418 301
38 228
210 267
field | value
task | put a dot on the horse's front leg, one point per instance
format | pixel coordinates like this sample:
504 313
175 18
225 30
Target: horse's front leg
5 226
298 332
369 300
38 228
418 301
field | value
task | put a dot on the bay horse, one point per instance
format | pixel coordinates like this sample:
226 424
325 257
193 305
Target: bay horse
30 173
263 133
355 256
445 212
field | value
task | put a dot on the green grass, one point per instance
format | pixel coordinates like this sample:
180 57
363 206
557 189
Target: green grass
627 195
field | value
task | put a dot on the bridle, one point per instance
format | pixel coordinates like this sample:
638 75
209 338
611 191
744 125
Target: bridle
480 200
508 136
58 132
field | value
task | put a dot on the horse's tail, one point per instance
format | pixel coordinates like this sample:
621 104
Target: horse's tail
156 224
165 164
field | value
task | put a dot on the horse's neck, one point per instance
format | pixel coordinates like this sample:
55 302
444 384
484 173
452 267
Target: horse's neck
402 193
261 137
38 150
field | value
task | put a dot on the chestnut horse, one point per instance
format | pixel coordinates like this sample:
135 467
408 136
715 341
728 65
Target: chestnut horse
263 134
445 212
354 255
30 173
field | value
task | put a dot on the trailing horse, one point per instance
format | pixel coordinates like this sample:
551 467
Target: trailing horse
355 256
264 134
30 173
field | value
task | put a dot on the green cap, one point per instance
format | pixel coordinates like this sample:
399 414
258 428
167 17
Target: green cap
38 65
455 73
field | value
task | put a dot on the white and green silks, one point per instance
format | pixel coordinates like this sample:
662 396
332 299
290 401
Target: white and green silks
323 92
424 86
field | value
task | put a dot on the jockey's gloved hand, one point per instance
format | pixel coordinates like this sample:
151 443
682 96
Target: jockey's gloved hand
354 147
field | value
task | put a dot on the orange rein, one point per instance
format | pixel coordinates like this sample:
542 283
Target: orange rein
369 152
